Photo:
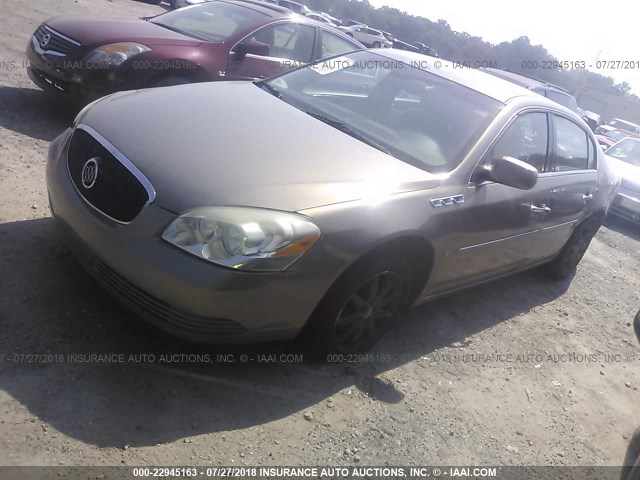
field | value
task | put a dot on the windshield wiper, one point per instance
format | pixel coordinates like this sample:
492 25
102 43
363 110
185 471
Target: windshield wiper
181 32
272 90
337 124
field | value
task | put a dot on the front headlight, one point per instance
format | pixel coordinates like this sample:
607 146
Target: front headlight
243 238
114 54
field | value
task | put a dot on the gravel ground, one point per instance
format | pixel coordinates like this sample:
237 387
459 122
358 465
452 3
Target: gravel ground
518 372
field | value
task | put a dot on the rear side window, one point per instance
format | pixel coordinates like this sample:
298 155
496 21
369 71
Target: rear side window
526 139
572 146
334 45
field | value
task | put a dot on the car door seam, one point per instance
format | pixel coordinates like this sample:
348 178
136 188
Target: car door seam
470 247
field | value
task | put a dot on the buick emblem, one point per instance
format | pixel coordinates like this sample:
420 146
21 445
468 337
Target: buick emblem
45 40
90 173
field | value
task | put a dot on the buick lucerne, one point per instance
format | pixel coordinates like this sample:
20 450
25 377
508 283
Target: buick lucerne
325 200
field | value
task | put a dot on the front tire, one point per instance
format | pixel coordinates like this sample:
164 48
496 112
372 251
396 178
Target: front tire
376 45
360 307
569 257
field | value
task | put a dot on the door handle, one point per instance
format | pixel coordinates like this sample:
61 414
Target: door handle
587 198
540 209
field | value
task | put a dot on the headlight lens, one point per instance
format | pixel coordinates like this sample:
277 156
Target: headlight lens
114 54
249 239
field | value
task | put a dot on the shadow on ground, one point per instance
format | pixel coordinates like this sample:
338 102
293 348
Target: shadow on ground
625 227
34 113
52 307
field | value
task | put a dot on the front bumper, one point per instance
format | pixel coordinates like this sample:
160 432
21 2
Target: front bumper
186 296
626 204
68 77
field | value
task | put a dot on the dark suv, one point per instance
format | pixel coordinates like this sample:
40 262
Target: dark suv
88 57
552 92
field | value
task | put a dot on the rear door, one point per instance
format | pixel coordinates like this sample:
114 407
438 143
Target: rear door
574 180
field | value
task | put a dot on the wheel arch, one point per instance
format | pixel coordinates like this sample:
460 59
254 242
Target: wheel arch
412 245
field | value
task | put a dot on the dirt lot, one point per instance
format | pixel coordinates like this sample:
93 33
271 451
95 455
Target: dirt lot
439 398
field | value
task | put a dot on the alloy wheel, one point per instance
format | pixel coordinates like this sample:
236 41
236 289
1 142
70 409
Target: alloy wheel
368 312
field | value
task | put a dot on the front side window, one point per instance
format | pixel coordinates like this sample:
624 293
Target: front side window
409 113
292 41
572 146
525 139
212 22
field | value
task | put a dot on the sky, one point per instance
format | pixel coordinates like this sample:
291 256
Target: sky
569 30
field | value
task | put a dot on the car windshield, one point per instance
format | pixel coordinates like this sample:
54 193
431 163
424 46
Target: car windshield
416 116
616 134
624 125
626 150
212 22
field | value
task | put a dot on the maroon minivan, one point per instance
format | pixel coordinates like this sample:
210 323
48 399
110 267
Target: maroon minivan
84 58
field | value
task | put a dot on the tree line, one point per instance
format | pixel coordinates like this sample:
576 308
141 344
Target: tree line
467 49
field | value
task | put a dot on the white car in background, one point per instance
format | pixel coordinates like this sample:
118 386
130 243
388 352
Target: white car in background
624 158
295 7
321 18
367 36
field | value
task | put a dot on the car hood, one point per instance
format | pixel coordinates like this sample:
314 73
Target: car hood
232 143
630 174
96 31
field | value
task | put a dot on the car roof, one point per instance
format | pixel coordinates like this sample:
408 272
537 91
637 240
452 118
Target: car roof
627 139
276 11
526 81
489 85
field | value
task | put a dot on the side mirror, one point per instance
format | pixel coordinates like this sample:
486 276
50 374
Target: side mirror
511 172
251 47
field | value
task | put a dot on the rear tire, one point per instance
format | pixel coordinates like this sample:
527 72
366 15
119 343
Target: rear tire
569 257
360 307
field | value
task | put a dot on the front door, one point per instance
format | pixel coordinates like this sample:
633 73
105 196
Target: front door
290 45
501 226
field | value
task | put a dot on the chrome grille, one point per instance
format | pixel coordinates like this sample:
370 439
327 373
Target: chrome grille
57 42
118 190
